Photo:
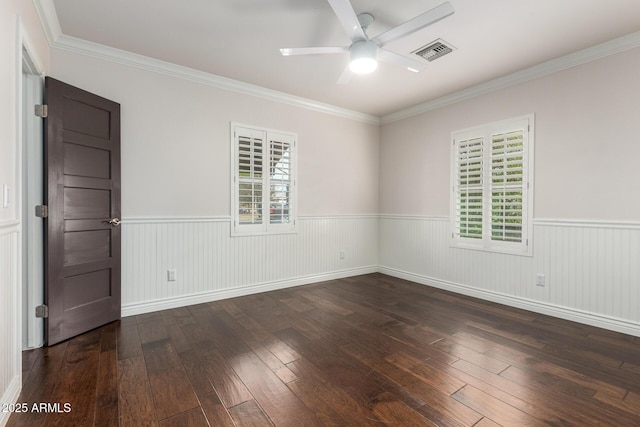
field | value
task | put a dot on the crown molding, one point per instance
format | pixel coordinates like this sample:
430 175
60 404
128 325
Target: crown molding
49 19
106 53
51 25
593 53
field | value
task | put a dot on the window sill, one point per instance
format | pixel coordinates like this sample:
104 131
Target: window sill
235 233
527 251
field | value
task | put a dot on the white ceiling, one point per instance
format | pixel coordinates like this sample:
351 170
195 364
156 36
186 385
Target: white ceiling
240 39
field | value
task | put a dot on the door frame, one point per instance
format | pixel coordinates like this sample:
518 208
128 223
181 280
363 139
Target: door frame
30 166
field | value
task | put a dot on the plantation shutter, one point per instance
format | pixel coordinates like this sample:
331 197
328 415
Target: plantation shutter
280 185
507 186
469 188
263 196
250 160
491 182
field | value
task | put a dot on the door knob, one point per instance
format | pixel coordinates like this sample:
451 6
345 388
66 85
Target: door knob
115 221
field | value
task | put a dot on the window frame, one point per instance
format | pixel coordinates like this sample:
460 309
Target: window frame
266 226
486 133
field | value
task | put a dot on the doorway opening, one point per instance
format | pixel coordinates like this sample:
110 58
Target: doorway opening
32 195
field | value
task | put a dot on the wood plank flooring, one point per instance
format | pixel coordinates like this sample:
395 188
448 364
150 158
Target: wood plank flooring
364 351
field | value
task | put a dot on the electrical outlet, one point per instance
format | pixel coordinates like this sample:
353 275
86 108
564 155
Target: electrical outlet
540 281
341 254
172 275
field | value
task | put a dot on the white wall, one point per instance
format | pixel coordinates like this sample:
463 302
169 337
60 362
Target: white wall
18 24
211 265
587 209
176 146
176 188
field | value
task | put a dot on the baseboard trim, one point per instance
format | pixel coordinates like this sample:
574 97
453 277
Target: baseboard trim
220 294
10 395
587 318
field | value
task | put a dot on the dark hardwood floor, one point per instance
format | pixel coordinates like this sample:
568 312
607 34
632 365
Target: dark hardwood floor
363 351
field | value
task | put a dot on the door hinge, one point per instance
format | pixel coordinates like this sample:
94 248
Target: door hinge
42 211
42 311
42 110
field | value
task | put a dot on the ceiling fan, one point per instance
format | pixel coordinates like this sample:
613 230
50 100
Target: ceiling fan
365 52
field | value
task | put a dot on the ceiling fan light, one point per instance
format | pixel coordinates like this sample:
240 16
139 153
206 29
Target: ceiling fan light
363 65
363 57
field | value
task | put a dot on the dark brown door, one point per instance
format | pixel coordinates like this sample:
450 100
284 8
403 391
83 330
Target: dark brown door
82 192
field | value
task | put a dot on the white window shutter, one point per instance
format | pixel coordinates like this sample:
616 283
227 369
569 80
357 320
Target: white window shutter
507 186
263 193
491 204
249 178
469 188
280 178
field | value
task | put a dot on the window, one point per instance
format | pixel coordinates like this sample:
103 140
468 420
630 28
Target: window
263 196
492 200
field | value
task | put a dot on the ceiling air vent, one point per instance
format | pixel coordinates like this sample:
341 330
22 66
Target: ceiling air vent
434 50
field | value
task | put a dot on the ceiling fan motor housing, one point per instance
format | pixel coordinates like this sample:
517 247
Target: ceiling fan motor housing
363 56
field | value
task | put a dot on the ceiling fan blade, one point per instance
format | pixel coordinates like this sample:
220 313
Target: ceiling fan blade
313 50
345 77
402 61
348 19
415 24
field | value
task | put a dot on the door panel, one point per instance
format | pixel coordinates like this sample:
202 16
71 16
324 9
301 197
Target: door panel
86 118
82 170
77 293
86 246
85 203
86 161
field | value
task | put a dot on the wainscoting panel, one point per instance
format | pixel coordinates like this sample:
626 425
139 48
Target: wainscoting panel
210 264
10 363
592 269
